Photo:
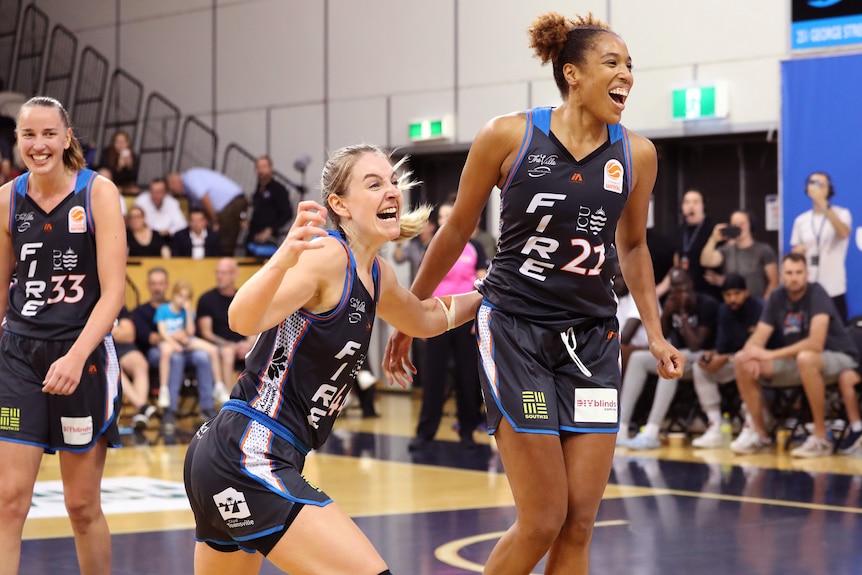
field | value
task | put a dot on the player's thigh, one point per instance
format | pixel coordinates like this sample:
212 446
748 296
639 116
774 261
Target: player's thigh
325 540
208 561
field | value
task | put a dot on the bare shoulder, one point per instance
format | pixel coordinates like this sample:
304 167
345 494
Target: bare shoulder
641 145
506 127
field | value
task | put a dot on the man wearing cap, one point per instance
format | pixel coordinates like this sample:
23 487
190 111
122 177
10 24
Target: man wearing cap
737 318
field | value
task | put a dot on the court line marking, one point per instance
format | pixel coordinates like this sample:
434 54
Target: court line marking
448 552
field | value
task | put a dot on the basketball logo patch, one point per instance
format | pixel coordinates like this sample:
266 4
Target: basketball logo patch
614 177
77 220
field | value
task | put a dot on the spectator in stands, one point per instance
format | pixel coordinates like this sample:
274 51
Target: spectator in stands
487 240
688 322
822 235
741 254
693 235
141 239
135 373
213 325
175 322
270 211
162 212
737 317
122 163
632 333
222 199
413 250
815 350
197 241
147 339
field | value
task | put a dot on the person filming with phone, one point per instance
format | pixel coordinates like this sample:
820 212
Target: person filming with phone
732 248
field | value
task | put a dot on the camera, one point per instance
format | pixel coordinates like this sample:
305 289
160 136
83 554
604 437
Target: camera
731 232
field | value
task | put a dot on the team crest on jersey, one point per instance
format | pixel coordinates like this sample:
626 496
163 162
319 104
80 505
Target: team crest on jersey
23 221
614 176
77 220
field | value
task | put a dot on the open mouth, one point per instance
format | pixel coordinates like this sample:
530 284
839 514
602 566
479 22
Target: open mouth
619 95
388 214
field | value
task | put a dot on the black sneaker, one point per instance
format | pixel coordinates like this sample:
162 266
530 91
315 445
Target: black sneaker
140 422
851 442
418 444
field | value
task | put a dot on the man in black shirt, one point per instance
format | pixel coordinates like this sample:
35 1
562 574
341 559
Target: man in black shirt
815 349
271 210
737 318
213 325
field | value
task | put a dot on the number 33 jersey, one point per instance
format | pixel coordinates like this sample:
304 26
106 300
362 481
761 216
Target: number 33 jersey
558 217
56 282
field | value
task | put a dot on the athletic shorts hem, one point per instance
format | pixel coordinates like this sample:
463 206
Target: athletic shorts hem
225 546
286 494
590 429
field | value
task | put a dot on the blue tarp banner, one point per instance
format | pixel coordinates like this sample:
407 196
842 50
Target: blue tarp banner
821 130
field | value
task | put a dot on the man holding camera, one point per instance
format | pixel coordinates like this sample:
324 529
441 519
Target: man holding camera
740 254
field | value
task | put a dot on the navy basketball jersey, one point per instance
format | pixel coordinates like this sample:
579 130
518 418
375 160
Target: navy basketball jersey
558 217
299 372
56 283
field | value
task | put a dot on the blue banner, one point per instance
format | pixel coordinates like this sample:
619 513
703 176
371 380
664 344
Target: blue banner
827 32
820 125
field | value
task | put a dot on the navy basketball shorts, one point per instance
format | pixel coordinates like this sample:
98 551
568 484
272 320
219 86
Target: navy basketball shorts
245 484
57 422
544 380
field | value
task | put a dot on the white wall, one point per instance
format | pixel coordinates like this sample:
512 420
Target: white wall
302 76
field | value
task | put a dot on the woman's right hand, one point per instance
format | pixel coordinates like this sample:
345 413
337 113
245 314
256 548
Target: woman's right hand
309 222
397 367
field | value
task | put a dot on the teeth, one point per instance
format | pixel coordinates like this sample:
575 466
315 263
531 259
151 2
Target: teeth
620 91
389 210
40 158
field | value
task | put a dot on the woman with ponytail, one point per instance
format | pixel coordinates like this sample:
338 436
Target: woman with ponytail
313 304
575 188
63 236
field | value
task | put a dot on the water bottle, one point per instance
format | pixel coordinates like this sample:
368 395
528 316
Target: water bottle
726 430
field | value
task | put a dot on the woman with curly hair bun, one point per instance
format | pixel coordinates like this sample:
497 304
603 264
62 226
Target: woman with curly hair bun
575 194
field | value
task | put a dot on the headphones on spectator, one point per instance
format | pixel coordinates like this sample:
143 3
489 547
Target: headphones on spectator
831 191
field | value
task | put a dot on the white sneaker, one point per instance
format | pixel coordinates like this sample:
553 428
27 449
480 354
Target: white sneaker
813 446
711 439
220 393
749 441
164 397
622 438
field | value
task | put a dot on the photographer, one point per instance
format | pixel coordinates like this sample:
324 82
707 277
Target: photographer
740 254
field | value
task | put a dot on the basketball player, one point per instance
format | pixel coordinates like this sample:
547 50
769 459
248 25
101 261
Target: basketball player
314 304
64 237
575 193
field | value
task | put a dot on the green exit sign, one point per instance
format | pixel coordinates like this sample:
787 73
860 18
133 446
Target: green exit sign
700 103
429 130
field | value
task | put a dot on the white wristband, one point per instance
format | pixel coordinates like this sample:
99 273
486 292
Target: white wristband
449 311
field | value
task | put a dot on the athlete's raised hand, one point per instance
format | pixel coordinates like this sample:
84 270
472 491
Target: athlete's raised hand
308 224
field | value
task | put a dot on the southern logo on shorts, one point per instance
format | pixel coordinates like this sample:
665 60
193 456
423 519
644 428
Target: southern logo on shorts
10 418
596 405
77 220
233 508
534 405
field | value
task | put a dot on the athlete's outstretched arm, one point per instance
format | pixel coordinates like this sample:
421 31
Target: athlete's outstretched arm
291 278
110 230
635 259
419 318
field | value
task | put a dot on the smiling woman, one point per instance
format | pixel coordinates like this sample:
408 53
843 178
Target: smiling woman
58 368
314 304
575 195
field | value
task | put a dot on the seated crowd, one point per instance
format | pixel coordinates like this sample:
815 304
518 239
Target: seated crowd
760 335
